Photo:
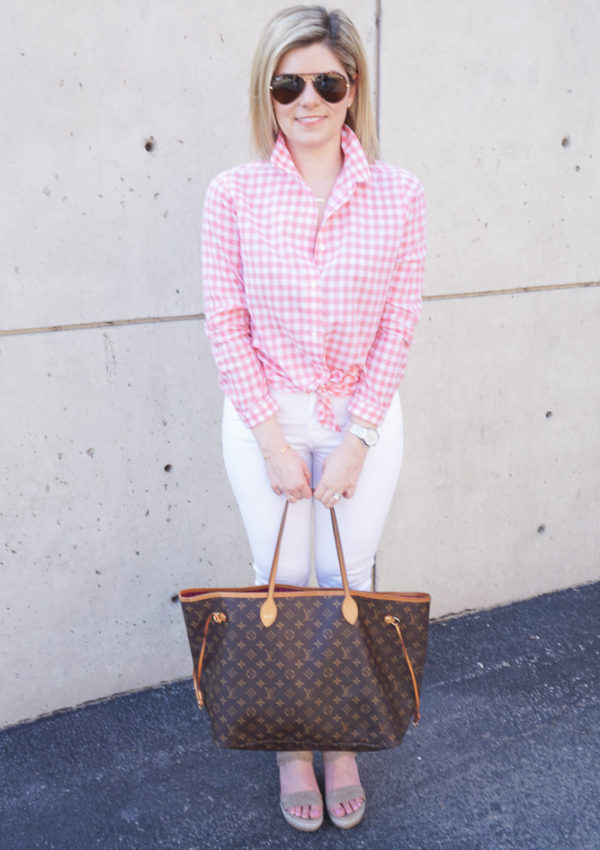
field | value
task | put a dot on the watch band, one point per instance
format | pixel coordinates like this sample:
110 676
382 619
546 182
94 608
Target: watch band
367 436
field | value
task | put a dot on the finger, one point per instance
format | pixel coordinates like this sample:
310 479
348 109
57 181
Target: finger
329 499
303 491
306 491
300 490
319 492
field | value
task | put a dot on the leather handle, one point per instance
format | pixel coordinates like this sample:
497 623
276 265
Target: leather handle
349 606
268 610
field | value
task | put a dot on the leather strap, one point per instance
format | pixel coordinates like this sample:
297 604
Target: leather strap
349 606
395 622
268 610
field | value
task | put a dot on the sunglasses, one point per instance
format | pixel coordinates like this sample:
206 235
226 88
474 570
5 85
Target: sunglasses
331 86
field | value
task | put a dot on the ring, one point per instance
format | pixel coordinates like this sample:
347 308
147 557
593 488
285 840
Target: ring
336 496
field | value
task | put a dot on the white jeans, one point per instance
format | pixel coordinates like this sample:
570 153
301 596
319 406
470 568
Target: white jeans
361 518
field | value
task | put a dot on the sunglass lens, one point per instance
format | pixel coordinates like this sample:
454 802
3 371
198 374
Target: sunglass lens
331 87
287 87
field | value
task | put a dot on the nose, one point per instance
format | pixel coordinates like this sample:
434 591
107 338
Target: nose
309 94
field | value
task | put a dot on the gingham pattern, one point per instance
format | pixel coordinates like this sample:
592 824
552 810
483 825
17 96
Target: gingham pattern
333 315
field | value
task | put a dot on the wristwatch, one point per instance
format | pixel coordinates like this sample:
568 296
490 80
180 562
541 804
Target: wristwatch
367 436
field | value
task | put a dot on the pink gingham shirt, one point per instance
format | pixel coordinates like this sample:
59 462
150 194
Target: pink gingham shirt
332 314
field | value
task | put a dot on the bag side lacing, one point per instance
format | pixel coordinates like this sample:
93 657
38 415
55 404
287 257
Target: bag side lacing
395 622
215 617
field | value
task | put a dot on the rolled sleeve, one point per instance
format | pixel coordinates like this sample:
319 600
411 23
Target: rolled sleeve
228 325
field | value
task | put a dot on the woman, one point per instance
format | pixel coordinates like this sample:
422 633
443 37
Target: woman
312 269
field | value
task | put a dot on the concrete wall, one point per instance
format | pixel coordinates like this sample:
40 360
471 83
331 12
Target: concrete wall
494 107
113 495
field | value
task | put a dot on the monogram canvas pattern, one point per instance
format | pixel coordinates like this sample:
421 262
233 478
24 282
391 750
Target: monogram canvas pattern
311 680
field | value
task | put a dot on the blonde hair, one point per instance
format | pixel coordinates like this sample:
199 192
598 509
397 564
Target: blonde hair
300 26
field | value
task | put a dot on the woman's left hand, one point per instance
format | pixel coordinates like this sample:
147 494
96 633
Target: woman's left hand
341 470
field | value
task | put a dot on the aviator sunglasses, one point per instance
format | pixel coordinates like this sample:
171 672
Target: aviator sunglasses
331 86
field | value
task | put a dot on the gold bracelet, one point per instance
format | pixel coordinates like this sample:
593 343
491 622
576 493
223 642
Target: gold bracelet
284 449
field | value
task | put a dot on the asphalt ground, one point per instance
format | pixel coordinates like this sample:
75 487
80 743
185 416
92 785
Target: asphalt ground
507 755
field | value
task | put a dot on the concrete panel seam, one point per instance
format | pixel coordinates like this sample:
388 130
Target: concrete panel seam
516 290
108 323
149 320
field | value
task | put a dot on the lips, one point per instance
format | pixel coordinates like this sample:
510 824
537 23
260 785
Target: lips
310 119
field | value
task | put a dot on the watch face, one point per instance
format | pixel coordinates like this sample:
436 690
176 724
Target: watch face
370 436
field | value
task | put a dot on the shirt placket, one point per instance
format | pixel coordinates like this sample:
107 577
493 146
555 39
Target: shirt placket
318 299
325 412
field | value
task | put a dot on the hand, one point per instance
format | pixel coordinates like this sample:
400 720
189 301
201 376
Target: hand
341 470
289 475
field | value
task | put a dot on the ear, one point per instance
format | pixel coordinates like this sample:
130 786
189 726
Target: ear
352 91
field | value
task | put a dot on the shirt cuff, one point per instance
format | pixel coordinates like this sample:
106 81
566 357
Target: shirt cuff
259 412
369 411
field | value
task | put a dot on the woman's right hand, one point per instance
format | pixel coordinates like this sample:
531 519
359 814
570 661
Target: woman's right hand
289 475
288 472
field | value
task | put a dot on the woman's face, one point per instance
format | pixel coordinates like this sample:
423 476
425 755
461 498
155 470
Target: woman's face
310 122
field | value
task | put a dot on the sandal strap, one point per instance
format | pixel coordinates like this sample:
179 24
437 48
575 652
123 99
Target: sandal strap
302 798
340 795
297 755
334 755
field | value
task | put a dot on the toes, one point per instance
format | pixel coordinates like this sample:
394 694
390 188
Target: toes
306 812
347 807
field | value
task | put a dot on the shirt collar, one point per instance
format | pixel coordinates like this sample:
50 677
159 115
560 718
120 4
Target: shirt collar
356 166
